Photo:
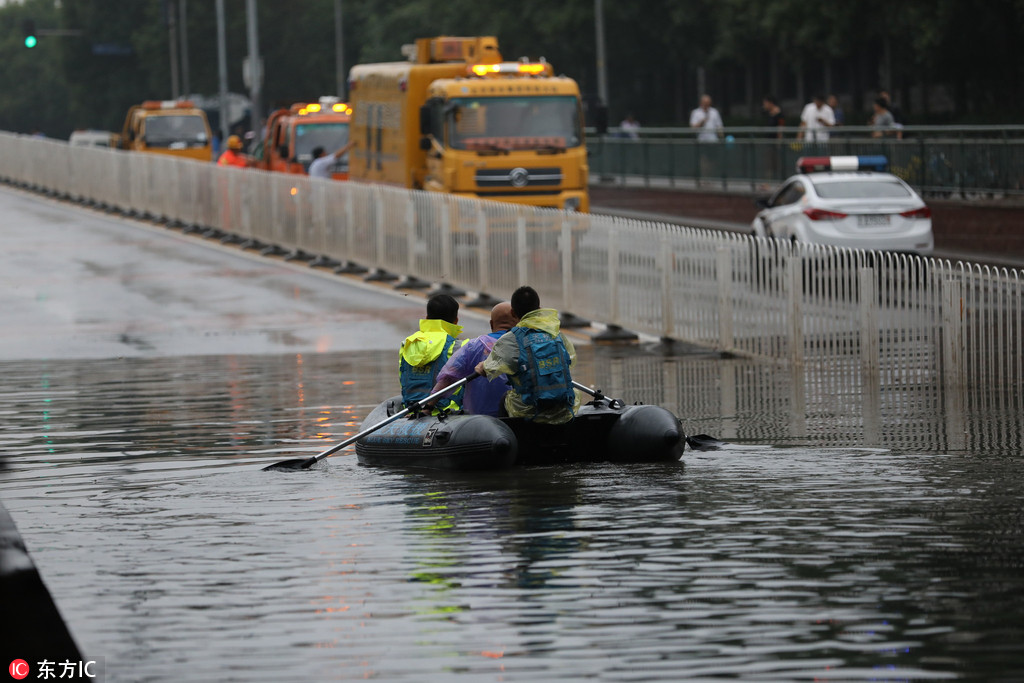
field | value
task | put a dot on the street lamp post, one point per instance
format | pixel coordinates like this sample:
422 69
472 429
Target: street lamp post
602 75
186 85
172 44
339 52
255 67
222 64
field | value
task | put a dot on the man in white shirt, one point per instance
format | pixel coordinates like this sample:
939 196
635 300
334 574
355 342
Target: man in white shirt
630 127
815 120
707 119
321 165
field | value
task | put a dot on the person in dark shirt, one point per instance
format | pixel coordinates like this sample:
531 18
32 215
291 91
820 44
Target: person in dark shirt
897 115
775 120
773 116
837 110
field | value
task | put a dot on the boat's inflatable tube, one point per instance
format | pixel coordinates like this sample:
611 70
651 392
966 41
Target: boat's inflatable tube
646 433
603 431
455 442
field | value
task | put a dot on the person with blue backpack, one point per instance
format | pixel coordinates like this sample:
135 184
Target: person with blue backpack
425 352
537 359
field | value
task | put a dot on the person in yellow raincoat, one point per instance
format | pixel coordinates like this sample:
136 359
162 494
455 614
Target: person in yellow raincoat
537 358
425 352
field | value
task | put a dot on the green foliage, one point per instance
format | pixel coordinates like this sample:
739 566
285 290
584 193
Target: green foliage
654 49
35 96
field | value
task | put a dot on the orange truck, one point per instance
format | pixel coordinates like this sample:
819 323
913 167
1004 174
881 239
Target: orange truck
292 134
173 127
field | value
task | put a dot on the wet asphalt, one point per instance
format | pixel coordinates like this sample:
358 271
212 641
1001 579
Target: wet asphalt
77 283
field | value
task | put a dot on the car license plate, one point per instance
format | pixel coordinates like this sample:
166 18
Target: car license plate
872 219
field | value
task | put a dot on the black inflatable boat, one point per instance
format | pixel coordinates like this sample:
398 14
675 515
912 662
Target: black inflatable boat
604 430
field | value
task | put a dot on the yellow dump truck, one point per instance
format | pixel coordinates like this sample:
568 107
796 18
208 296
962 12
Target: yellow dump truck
455 117
174 127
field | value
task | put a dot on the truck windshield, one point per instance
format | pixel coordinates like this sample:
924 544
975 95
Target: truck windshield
309 136
506 123
175 130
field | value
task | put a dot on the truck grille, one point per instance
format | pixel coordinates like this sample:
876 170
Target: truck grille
518 177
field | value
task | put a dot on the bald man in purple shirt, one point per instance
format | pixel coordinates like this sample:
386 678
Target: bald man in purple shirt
482 397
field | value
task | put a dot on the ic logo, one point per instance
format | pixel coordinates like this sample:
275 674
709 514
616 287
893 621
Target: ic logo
19 669
519 177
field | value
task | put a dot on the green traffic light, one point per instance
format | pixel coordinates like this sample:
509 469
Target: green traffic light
30 41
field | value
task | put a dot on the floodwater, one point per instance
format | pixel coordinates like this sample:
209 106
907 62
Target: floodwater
842 534
137 486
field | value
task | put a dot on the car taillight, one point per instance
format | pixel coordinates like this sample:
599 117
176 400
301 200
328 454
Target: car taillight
923 212
823 215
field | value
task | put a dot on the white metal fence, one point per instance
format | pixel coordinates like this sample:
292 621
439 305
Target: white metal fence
902 320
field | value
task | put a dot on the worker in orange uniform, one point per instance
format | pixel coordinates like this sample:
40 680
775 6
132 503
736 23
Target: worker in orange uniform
233 156
229 189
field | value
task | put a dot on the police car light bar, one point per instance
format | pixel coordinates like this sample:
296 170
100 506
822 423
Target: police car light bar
859 163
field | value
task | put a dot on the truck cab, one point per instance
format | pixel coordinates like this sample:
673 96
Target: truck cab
176 128
506 136
292 134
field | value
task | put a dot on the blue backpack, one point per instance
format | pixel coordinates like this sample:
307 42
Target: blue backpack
543 379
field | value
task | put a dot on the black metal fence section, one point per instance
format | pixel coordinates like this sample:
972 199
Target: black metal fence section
967 162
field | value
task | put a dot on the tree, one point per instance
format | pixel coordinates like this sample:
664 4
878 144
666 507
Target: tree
654 51
35 94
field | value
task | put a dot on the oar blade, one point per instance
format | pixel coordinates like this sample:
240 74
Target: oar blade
703 442
293 464
305 464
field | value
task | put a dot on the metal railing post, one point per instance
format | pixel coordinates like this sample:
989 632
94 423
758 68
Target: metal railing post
482 249
410 234
613 277
726 341
446 237
795 276
953 360
350 222
378 227
869 359
668 322
522 247
952 333
565 246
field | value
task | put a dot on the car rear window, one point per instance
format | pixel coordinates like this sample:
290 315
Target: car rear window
862 189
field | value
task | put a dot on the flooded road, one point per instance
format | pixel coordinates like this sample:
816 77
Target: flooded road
841 535
79 284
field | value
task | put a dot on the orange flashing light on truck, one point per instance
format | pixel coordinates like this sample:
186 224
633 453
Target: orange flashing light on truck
456 118
292 134
177 128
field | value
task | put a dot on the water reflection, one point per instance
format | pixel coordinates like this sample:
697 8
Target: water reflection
838 537
831 404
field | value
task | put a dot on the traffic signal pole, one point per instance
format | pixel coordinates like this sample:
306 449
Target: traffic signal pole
255 68
28 26
222 70
172 45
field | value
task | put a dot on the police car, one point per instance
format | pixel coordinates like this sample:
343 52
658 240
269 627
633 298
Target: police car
847 201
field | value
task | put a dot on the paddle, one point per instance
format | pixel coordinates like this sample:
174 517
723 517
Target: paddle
306 463
698 442
596 393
